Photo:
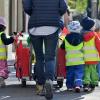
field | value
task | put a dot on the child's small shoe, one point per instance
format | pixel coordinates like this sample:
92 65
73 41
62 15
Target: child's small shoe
92 87
2 85
2 82
77 89
86 88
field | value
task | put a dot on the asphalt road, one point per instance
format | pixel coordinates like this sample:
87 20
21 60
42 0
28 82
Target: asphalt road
14 91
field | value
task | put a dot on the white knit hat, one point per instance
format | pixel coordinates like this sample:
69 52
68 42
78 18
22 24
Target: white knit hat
2 21
74 26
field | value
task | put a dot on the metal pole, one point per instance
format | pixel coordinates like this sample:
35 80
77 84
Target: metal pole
89 6
97 8
10 16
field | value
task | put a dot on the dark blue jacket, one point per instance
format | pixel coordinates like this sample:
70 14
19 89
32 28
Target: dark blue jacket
44 12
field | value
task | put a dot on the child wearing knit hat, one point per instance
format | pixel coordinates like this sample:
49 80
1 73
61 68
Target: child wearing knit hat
91 55
97 30
3 52
74 26
88 23
73 44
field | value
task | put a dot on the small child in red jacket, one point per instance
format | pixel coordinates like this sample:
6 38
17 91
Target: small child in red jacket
91 54
97 30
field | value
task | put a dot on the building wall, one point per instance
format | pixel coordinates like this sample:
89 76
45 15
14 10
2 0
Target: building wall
1 7
13 13
16 13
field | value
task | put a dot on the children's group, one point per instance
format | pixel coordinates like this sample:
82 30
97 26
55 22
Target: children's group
82 47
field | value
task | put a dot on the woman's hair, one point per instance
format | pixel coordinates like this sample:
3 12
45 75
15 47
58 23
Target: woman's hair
2 28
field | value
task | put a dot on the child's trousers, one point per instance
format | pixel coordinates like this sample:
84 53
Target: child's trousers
3 69
74 76
90 74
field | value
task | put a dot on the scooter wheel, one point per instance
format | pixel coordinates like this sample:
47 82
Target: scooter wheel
60 83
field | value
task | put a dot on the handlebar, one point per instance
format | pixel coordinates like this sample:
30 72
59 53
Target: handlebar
17 35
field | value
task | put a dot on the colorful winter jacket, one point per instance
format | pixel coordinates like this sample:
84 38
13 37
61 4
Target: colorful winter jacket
3 49
98 41
91 54
3 42
73 44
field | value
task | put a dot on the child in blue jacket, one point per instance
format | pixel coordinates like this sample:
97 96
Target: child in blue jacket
73 44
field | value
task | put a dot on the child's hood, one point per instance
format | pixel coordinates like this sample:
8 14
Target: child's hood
74 38
88 36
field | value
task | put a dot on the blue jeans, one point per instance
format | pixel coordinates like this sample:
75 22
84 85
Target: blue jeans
74 76
98 69
45 56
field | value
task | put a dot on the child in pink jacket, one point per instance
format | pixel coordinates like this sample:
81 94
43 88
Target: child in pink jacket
3 52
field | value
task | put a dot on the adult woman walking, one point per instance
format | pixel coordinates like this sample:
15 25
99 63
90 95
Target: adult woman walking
43 27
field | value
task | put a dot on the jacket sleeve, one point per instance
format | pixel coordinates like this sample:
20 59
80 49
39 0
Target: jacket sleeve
6 40
27 6
62 7
97 44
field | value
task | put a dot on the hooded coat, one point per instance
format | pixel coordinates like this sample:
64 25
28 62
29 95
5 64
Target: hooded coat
87 36
73 38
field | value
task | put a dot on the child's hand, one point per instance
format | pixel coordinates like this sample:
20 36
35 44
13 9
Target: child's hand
13 35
